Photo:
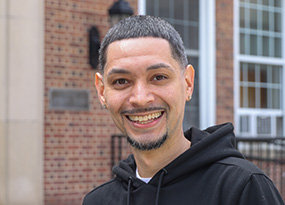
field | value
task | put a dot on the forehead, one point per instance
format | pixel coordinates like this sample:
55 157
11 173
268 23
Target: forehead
138 54
135 47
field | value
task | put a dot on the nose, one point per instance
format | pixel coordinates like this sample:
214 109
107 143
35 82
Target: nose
141 95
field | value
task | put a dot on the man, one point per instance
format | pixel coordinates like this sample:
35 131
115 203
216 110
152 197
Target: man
144 82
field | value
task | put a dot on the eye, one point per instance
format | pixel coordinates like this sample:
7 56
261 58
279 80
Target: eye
121 81
159 77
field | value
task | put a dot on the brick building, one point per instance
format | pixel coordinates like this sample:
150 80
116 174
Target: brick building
55 155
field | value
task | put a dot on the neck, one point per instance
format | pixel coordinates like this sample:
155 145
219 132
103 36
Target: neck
150 162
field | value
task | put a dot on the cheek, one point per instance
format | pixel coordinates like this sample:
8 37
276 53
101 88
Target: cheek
115 101
114 106
174 96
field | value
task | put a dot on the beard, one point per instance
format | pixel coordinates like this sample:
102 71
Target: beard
147 146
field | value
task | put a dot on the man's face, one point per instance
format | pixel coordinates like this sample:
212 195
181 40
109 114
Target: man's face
145 90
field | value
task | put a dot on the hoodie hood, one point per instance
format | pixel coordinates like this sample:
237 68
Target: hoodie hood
207 147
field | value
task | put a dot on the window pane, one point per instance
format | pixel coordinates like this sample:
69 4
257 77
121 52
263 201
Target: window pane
276 98
178 9
247 16
242 104
277 3
194 8
180 29
251 97
244 124
277 47
242 43
263 98
242 18
265 20
276 75
279 126
277 21
150 7
251 72
265 44
253 1
164 8
265 2
241 75
263 73
193 36
253 44
253 19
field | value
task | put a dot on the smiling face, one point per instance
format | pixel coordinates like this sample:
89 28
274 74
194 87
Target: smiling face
145 90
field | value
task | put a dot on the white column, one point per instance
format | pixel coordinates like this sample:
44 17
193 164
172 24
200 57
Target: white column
207 63
141 7
21 101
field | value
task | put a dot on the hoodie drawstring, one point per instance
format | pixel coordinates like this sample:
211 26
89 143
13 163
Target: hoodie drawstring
130 180
164 171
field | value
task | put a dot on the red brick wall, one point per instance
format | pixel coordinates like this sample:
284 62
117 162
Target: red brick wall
224 60
76 144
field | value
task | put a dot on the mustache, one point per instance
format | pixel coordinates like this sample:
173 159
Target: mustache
141 110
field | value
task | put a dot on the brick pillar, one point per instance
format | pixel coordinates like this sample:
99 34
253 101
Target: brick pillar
224 61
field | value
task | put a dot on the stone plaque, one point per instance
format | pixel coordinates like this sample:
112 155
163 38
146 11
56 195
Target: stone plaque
68 99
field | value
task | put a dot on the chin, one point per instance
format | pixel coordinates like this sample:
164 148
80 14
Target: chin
147 146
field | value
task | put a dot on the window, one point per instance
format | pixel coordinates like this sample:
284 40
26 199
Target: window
260 64
260 86
260 27
184 16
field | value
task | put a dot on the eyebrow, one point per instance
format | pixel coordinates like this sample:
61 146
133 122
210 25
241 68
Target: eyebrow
118 71
152 67
159 65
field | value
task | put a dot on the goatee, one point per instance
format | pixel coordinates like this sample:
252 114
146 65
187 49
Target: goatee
147 146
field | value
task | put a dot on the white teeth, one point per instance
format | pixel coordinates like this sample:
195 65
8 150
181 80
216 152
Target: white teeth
145 118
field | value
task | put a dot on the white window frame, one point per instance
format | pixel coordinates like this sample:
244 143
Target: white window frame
238 58
207 60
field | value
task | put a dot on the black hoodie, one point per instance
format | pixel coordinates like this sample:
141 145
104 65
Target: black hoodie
211 172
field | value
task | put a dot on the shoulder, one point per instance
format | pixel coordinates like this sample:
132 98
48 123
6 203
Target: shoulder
242 165
251 183
235 172
239 170
99 193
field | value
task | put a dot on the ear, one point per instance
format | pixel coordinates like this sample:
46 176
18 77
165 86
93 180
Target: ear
189 75
99 84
